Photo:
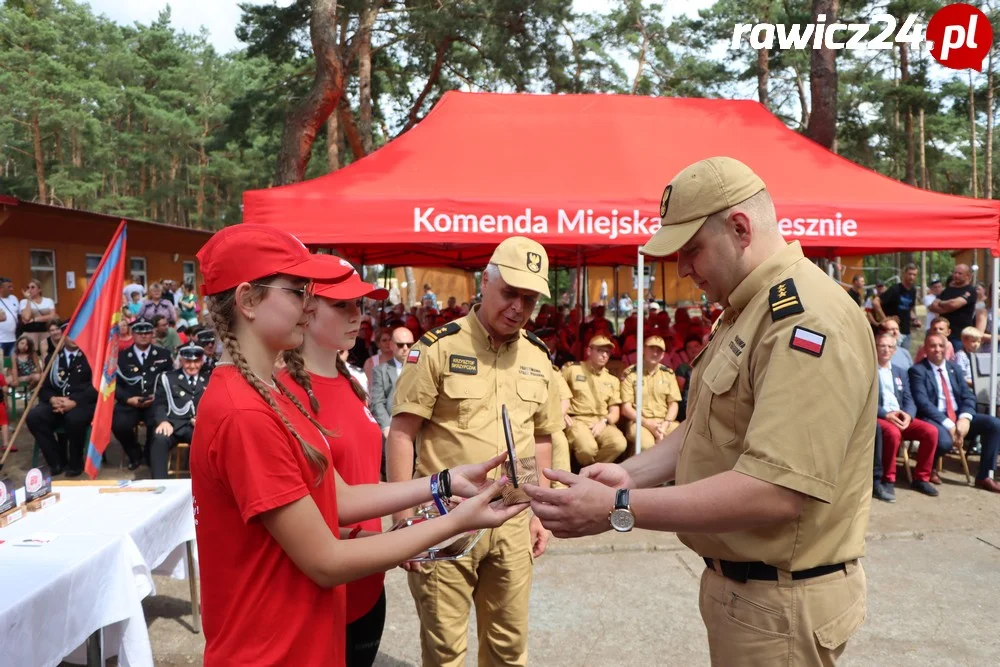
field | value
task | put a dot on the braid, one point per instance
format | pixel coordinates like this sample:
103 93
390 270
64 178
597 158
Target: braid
296 367
221 308
355 385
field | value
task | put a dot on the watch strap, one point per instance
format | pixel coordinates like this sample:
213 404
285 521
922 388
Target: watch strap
621 499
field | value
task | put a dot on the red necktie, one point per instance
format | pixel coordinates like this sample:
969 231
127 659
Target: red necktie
947 396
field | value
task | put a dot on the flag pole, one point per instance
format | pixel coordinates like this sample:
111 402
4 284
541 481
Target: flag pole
34 395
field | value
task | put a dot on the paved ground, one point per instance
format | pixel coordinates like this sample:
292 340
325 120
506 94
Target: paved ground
932 564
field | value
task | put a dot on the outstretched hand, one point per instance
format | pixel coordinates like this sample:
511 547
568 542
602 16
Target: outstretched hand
482 511
609 474
581 509
469 479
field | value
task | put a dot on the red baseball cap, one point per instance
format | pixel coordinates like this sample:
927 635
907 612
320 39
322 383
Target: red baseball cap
245 252
352 287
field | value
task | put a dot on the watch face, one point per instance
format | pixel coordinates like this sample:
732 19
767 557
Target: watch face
622 520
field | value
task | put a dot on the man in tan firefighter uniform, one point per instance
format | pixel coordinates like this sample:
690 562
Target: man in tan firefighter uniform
448 401
661 395
593 410
773 468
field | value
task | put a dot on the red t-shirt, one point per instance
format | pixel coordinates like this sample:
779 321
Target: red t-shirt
357 456
258 607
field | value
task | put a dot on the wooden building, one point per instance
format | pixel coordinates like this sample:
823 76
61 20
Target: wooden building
61 248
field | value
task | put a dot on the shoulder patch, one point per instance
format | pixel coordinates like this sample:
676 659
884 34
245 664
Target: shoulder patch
434 335
536 341
668 369
570 363
784 300
630 369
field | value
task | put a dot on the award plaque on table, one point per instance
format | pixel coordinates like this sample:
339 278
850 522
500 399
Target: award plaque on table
9 509
38 489
452 548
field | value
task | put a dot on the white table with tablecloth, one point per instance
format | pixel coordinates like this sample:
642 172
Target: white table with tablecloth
93 575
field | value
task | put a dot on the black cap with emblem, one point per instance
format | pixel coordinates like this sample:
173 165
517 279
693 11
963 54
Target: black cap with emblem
205 337
191 352
142 327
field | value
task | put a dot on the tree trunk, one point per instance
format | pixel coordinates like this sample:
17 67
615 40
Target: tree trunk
800 85
202 175
432 78
36 140
642 57
988 166
762 76
305 119
923 152
154 206
974 179
904 76
368 15
350 130
411 287
823 79
332 143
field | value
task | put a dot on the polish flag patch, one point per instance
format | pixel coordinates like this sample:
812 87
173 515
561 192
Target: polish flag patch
811 342
413 356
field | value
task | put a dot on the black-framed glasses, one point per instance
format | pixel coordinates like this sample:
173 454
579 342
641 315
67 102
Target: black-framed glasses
402 345
306 292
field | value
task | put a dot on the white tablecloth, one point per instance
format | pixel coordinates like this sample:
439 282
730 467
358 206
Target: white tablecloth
93 575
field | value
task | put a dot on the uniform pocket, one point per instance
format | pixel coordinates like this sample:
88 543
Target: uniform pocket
832 634
531 391
756 616
468 393
718 421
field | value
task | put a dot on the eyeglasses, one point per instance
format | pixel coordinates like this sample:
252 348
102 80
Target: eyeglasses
306 292
402 345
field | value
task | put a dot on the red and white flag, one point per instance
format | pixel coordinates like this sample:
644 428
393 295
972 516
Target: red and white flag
808 341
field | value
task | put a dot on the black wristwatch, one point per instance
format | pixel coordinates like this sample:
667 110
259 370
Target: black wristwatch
621 517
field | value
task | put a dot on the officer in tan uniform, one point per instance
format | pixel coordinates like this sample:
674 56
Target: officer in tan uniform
774 463
560 445
448 401
593 410
661 395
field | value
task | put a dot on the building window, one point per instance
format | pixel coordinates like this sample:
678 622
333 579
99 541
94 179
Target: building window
137 270
93 261
189 273
43 271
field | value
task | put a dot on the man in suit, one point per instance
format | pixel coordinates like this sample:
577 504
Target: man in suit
175 402
384 378
943 399
67 398
896 419
138 368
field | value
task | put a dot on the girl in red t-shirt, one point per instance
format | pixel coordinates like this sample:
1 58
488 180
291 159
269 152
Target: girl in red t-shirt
318 376
267 503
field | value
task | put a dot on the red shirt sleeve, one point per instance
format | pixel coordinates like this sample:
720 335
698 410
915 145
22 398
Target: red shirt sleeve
256 457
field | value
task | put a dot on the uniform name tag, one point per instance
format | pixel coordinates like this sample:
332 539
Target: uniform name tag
464 365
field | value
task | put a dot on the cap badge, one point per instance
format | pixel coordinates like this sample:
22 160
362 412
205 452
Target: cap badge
534 262
665 200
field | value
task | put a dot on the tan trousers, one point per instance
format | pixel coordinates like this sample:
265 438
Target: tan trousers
587 449
803 623
496 575
647 436
560 455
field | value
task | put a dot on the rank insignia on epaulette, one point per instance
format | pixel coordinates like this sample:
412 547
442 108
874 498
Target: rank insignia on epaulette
434 335
784 300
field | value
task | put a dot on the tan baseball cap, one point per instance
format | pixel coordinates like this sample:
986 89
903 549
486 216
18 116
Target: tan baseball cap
600 341
701 189
523 263
655 341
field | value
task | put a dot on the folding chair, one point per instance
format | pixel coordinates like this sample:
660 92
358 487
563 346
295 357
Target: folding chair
179 465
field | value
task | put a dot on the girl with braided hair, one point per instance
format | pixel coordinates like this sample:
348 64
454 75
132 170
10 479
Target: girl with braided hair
318 375
268 502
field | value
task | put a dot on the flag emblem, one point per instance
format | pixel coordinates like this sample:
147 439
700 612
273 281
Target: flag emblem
413 356
808 341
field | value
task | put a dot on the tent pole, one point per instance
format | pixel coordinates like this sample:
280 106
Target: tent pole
640 348
663 283
993 338
615 302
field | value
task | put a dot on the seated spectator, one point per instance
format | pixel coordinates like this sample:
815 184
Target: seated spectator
593 410
939 325
692 348
945 401
26 366
55 330
187 304
901 359
551 340
125 339
660 396
164 335
971 339
896 419
156 304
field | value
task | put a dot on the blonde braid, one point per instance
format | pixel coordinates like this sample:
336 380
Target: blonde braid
355 385
222 308
296 367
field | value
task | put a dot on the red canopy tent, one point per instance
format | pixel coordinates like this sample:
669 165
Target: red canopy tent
583 175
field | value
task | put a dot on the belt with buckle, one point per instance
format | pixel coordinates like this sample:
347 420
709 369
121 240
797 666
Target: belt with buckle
742 572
